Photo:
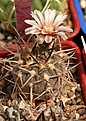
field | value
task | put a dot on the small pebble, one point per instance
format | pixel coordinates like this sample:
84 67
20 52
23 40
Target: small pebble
79 100
2 36
82 111
67 88
74 102
78 89
68 102
9 37
2 26
70 94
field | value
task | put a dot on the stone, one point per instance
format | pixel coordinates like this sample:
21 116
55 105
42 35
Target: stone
2 26
78 89
79 99
82 111
9 37
68 102
70 94
74 102
2 36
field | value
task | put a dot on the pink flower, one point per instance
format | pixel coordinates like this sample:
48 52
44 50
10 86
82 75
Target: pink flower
47 27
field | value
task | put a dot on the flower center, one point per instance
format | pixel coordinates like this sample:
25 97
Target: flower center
48 28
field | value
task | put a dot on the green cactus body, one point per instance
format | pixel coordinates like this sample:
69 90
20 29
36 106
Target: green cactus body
40 78
7 6
36 4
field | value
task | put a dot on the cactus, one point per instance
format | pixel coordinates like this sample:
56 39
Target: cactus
39 5
39 84
42 79
55 5
7 13
36 4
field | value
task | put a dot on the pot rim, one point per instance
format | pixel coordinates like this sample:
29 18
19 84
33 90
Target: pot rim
80 15
84 55
80 67
75 20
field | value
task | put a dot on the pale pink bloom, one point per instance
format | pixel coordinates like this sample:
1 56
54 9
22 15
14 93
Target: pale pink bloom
47 27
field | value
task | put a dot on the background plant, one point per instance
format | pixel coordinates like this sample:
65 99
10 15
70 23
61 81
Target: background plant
7 9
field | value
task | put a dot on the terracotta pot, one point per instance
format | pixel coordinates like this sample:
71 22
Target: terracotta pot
13 48
84 56
80 67
80 15
75 20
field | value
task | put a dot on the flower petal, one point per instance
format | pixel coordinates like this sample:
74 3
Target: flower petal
62 34
41 18
63 28
32 22
59 20
35 16
52 16
46 14
32 30
28 30
35 31
49 28
48 39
